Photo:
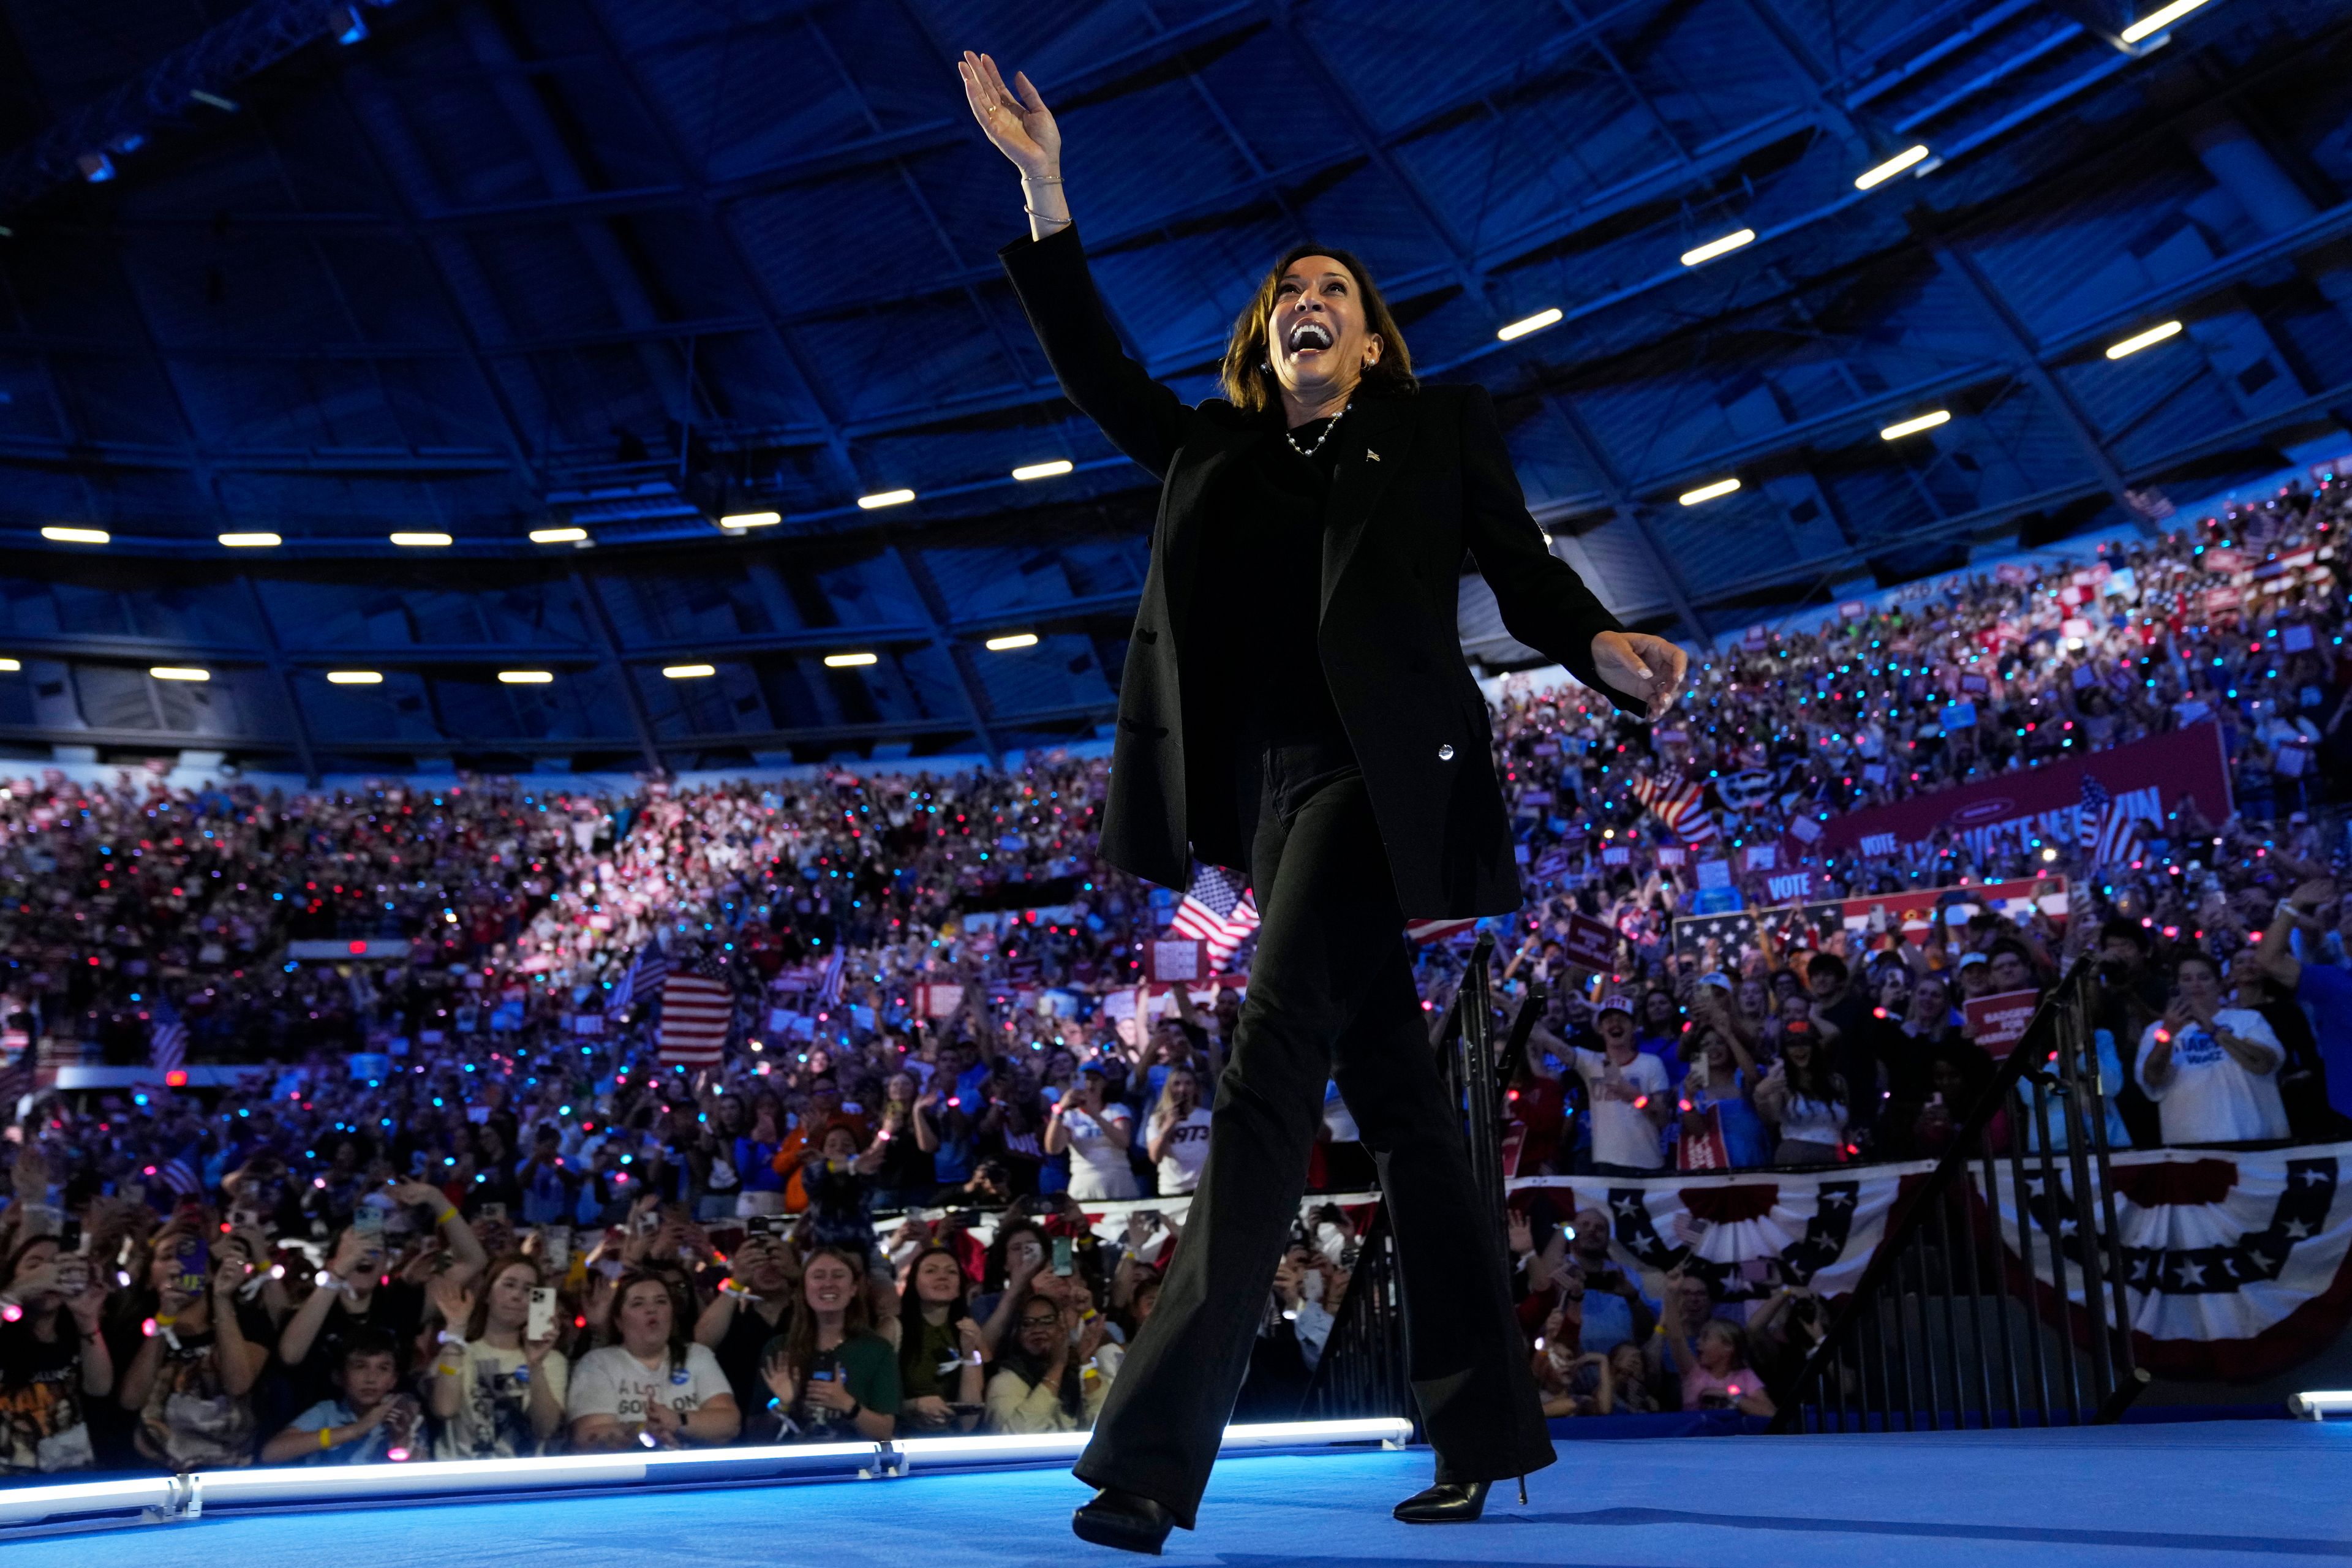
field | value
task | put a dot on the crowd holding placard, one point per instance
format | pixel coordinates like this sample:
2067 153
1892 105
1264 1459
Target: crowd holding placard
463 1207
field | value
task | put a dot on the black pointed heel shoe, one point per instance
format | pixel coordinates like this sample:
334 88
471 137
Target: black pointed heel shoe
1124 1521
1447 1503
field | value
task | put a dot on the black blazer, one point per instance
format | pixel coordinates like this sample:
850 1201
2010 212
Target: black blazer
1393 546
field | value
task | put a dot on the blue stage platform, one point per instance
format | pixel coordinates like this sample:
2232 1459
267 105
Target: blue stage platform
2211 1494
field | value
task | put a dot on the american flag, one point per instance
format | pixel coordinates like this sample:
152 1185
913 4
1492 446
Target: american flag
646 974
1217 913
180 1172
829 989
697 1011
1436 929
2105 830
167 1037
1680 805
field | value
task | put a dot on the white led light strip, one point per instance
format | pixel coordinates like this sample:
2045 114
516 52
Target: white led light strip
164 1498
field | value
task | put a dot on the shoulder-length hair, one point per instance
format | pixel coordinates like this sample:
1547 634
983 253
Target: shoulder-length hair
1246 379
478 1321
681 1321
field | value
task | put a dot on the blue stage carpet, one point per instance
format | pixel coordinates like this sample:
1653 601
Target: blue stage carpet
2221 1493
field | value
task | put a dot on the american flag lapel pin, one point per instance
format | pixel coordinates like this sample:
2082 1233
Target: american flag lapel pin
1371 456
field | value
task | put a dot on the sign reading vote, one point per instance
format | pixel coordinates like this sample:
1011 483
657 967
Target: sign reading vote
1998 1021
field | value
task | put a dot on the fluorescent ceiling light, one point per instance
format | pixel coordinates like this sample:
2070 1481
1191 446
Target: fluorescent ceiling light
2157 20
886 497
354 677
1889 169
421 539
1526 324
1913 426
1714 247
77 535
7 664
2148 339
179 672
250 541
1708 493
843 661
1011 639
558 535
689 671
751 519
1040 470
524 677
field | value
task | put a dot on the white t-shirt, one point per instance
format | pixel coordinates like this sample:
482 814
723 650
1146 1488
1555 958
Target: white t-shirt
493 1419
612 1382
1188 1150
1099 1168
1622 1134
2208 1097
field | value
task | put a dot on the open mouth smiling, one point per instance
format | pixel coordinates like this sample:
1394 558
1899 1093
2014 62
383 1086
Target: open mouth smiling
1310 337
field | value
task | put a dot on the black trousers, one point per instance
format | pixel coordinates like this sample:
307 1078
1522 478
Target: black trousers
1330 995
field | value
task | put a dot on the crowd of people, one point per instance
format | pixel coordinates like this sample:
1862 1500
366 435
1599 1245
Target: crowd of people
461 1205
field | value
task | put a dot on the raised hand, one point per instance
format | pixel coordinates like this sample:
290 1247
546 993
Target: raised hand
1641 666
1016 119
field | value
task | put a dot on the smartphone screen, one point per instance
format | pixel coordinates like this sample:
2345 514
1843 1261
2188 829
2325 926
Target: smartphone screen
556 1247
496 1212
368 1220
1061 1255
542 1321
195 1265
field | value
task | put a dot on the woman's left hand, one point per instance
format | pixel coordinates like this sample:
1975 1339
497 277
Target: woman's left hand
1642 666
830 1394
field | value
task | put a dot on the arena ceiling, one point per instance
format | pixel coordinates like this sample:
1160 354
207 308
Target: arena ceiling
486 269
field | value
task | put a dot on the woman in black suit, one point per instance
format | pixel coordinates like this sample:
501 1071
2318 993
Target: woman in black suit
1295 704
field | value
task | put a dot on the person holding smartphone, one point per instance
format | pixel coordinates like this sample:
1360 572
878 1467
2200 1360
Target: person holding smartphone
750 1306
496 1389
356 1290
1095 1133
53 1360
191 1382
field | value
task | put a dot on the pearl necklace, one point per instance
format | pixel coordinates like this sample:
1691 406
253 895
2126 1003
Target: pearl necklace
1310 451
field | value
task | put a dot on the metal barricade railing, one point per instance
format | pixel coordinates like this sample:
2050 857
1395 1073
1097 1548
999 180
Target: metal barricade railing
1945 1328
1362 1370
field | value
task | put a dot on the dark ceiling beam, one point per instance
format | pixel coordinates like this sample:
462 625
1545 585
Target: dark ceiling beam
1962 268
216 62
1628 510
829 434
383 141
1895 545
608 642
969 685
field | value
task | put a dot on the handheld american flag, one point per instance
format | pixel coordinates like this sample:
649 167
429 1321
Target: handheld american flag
1217 913
167 1037
644 977
1681 805
2105 830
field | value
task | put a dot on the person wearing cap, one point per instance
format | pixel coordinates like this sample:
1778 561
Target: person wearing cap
1628 1091
1974 974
